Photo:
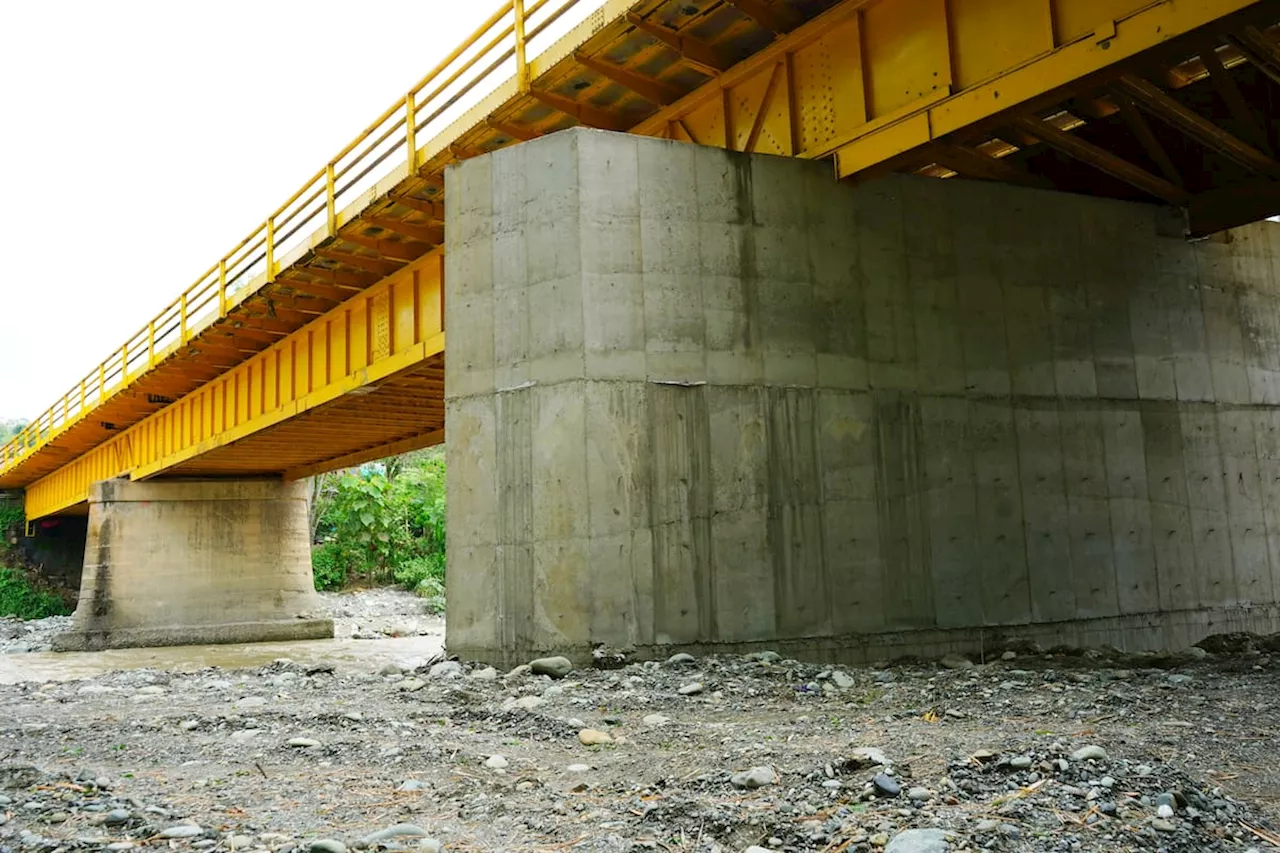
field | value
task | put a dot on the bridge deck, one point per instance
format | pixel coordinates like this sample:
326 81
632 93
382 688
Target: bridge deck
1168 102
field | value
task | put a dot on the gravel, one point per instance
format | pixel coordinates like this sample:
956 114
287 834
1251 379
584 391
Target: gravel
1038 753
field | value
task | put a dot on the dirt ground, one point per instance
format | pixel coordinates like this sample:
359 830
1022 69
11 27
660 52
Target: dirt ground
1029 752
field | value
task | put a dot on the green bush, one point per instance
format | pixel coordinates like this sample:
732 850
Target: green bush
19 598
424 576
328 566
383 523
11 517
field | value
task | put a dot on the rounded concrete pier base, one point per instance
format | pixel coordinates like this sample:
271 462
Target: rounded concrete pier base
193 563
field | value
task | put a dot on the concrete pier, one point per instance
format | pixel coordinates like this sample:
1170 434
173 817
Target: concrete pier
707 400
195 562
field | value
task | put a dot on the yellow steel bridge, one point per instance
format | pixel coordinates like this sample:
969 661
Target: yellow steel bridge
318 340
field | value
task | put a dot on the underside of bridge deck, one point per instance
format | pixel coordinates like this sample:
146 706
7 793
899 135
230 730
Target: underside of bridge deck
1168 103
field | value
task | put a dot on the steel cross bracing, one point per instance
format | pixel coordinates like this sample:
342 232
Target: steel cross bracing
317 341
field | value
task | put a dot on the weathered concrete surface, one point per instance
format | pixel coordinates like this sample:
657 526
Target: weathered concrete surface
702 399
179 563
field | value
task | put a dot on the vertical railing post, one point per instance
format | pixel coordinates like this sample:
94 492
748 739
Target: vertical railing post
331 205
151 344
182 319
102 382
522 66
271 249
82 396
222 287
124 363
411 131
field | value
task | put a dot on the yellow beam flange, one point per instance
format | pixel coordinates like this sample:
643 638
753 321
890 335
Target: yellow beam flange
392 326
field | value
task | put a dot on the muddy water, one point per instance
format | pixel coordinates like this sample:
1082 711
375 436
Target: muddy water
346 654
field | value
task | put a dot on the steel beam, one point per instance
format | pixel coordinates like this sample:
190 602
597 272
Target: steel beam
392 327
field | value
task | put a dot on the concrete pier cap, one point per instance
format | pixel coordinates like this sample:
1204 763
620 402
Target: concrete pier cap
195 562
706 400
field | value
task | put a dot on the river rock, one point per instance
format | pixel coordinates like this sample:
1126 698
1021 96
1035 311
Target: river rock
184 830
1085 753
842 679
919 841
954 661
446 669
556 667
327 845
400 830
681 659
693 688
886 786
302 742
756 777
868 756
497 762
593 737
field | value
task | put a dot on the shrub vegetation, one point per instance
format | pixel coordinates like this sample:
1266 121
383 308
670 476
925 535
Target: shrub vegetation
382 524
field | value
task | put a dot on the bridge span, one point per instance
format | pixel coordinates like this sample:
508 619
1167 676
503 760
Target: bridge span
864 323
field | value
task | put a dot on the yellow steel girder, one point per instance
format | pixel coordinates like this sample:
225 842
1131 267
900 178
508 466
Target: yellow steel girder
870 81
394 325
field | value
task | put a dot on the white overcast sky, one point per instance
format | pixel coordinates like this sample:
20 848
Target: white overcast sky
139 141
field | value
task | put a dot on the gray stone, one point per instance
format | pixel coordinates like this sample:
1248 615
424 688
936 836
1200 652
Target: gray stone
497 762
446 669
327 845
920 841
302 742
885 785
410 785
919 794
556 667
954 661
868 756
842 679
1091 751
1161 825
681 659
183 830
486 674
115 817
756 777
1020 762
691 689
400 830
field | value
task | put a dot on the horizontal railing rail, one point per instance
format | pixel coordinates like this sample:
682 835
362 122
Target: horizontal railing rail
501 44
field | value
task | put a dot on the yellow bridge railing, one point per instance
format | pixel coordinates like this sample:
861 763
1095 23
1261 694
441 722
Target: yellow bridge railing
498 48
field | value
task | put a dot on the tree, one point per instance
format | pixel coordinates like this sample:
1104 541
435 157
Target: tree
384 521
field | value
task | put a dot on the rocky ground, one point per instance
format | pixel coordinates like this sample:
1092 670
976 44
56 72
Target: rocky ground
1029 752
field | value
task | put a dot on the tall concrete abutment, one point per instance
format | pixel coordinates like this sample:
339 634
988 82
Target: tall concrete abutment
193 562
707 400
